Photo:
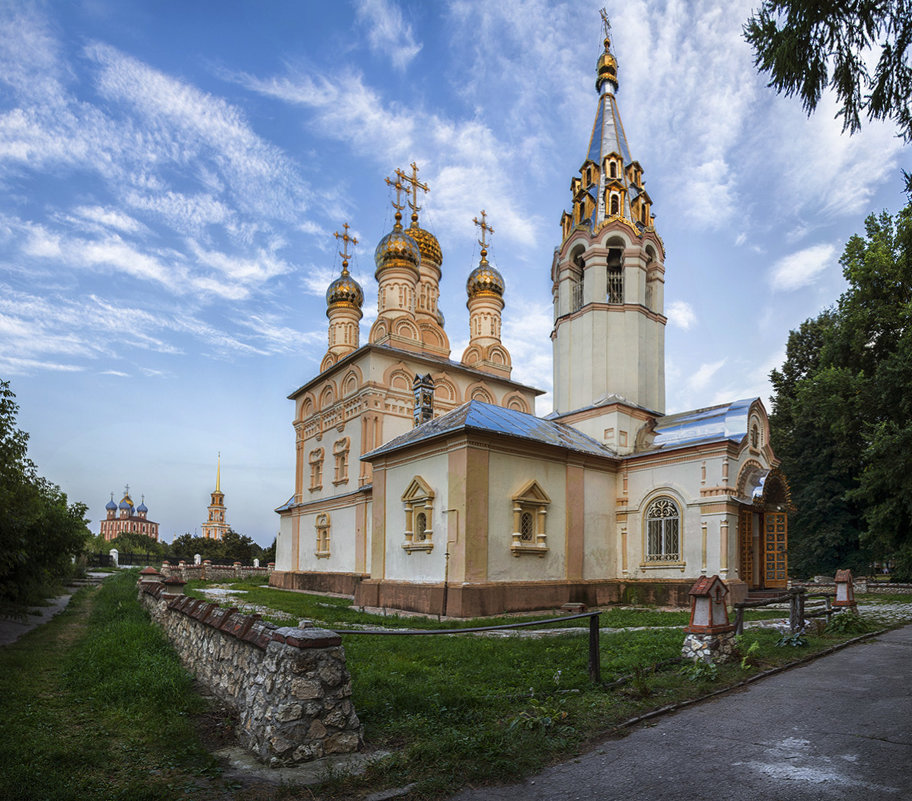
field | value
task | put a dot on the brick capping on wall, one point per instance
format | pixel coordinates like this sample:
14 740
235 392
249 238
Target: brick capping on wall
862 584
290 686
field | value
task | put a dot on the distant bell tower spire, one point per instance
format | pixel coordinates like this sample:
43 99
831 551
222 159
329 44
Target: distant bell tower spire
608 278
216 525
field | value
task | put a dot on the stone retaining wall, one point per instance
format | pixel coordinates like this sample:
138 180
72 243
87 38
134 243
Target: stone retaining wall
204 572
861 585
290 686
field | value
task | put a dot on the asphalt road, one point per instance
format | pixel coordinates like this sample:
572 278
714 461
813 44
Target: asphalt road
835 729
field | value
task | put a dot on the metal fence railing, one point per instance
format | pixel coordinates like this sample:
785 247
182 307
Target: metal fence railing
595 667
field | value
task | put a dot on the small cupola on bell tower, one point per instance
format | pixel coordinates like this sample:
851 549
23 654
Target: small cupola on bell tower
608 278
344 299
485 288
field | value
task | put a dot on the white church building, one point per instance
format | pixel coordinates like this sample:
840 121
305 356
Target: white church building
428 484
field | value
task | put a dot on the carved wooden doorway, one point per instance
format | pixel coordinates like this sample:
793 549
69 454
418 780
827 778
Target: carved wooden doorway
746 545
775 549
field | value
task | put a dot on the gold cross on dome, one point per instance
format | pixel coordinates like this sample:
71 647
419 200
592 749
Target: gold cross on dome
413 181
397 185
345 240
605 22
485 228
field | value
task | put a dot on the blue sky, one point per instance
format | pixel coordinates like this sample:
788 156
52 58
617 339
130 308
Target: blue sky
171 174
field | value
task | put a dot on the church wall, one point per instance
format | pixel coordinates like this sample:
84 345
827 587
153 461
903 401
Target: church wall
600 560
508 473
417 566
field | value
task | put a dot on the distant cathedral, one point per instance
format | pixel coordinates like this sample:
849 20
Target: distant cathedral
215 526
125 518
428 484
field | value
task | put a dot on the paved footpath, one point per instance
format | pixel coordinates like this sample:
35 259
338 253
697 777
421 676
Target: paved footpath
835 729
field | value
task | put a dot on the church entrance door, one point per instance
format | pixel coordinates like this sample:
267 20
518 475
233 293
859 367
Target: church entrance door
775 549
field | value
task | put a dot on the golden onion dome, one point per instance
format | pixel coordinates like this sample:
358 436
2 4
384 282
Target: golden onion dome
397 246
345 290
485 279
427 243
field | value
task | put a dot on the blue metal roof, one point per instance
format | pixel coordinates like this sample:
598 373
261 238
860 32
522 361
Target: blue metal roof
714 423
479 416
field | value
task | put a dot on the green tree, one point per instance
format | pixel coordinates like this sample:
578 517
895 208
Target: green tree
134 542
842 411
807 46
40 531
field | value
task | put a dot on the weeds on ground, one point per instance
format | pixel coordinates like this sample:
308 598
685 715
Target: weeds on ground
849 622
96 706
697 670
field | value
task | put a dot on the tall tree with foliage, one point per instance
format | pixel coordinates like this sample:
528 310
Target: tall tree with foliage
807 46
40 531
842 411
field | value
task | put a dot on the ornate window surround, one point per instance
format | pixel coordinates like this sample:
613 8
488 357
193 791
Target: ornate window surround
340 449
419 509
322 525
530 510
663 525
316 469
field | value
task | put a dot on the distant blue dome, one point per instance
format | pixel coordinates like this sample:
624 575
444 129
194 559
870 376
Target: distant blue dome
110 505
142 507
125 505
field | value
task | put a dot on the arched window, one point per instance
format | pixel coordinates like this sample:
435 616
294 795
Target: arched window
615 205
613 169
663 531
418 500
755 436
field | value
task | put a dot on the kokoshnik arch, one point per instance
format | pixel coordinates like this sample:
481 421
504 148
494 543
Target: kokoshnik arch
428 484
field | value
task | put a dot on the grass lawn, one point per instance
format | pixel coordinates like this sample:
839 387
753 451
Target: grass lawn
96 705
334 612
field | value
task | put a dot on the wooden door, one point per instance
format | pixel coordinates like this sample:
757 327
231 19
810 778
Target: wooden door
746 546
775 544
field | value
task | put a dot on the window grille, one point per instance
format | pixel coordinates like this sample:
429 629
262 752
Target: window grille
663 531
526 527
615 285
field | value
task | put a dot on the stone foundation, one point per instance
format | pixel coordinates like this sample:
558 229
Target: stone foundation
716 648
290 686
339 583
495 598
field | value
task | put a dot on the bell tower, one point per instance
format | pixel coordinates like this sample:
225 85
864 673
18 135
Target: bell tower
607 286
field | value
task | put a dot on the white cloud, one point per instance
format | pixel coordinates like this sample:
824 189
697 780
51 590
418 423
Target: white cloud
681 314
388 33
801 268
705 373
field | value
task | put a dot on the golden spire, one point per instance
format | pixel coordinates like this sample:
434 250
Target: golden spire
485 228
218 473
397 204
344 252
413 181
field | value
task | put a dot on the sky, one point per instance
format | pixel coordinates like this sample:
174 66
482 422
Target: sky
171 175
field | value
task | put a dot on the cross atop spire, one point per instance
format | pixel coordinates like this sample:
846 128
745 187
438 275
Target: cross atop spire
485 229
605 22
344 252
413 181
398 204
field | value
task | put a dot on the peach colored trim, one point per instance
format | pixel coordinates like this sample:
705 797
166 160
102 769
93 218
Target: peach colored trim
719 508
723 547
598 411
361 537
624 550
475 559
576 522
703 527
295 543
378 527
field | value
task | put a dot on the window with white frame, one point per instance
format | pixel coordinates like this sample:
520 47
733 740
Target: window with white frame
316 469
322 526
340 452
418 501
663 531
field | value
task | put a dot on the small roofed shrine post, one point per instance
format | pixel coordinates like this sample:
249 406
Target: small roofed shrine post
709 637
